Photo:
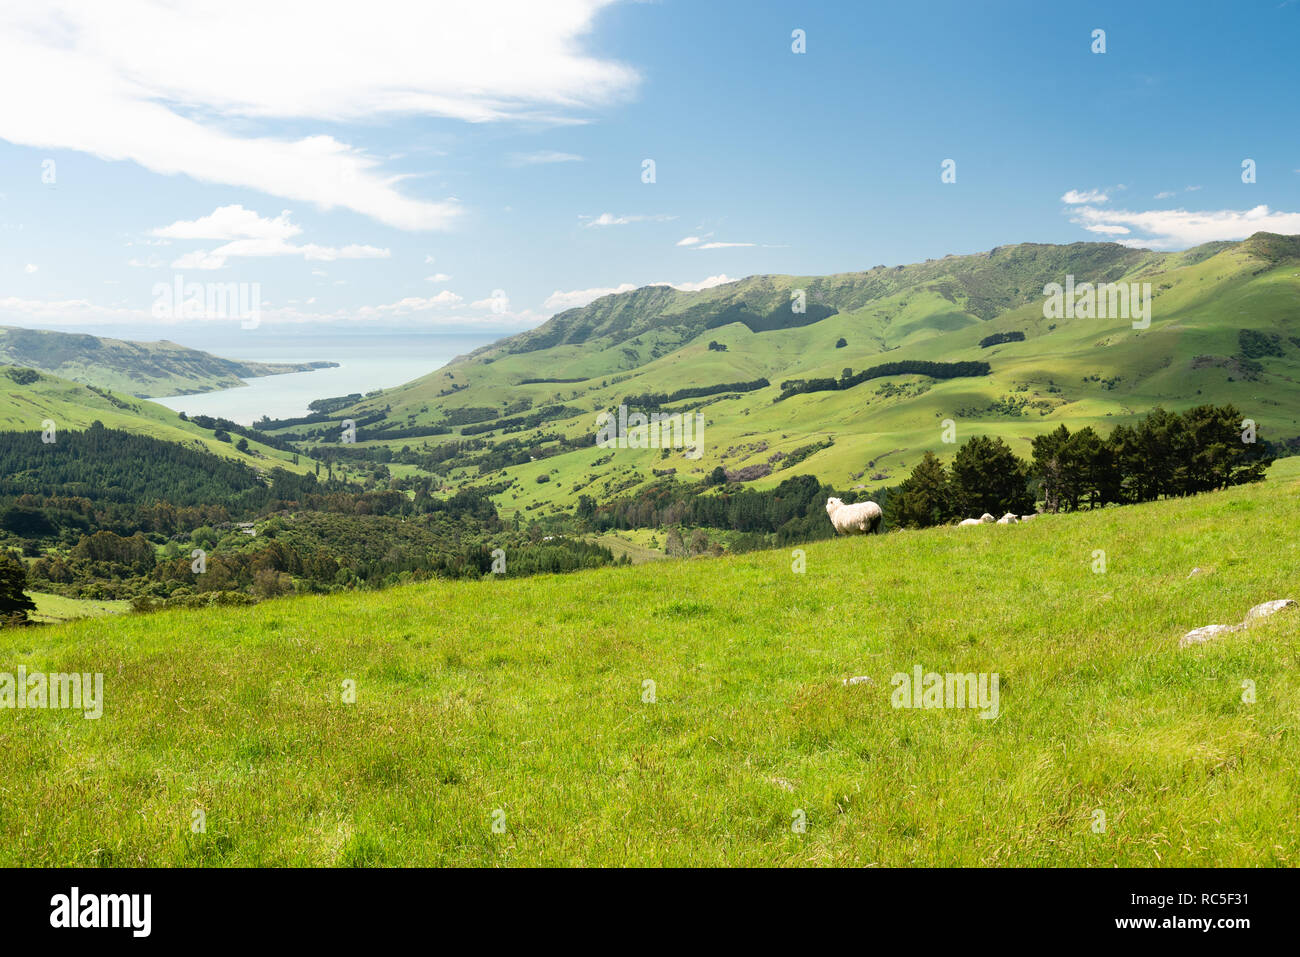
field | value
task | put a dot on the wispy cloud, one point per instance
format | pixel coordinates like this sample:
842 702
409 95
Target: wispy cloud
144 95
609 219
542 157
559 300
1075 196
1180 228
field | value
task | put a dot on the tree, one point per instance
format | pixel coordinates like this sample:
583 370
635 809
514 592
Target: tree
1049 466
1218 454
14 603
988 477
926 496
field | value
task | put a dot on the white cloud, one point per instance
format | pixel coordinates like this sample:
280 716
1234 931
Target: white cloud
688 241
408 305
541 157
1074 196
609 219
498 302
1109 230
1179 228
707 283
66 312
437 277
230 222
30 268
724 245
250 235
560 300
187 86
1166 194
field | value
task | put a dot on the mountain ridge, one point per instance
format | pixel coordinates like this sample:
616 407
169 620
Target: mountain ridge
144 369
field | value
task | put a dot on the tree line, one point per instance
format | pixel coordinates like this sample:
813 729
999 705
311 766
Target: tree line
1166 454
848 379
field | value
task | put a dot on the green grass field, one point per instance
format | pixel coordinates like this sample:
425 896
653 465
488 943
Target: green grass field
521 701
55 608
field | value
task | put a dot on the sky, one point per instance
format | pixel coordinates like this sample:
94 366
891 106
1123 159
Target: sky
483 165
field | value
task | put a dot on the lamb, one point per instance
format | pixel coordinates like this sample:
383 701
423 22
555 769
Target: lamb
860 517
1008 519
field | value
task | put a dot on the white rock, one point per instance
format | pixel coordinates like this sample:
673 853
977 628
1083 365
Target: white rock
1203 634
1268 608
858 680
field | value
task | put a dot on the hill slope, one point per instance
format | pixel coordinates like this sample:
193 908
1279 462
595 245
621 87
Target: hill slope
1225 327
28 398
142 369
531 702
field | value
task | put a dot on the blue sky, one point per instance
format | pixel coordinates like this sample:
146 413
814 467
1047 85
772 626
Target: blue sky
479 166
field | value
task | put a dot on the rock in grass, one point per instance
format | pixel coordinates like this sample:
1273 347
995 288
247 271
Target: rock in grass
1268 608
1203 634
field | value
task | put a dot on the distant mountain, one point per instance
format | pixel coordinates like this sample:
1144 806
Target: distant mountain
517 417
142 369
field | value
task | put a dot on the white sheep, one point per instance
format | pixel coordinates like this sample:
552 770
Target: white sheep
1008 519
860 517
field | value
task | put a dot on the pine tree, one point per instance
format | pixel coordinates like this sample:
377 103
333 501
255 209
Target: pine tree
926 496
988 477
14 604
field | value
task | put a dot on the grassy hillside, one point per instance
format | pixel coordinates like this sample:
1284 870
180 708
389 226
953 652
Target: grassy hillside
29 398
142 369
1225 328
526 697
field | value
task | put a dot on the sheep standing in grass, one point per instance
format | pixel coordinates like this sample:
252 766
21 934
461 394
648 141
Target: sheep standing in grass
860 517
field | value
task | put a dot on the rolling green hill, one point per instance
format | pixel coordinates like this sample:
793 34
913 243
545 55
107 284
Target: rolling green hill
691 712
1225 328
142 369
29 398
